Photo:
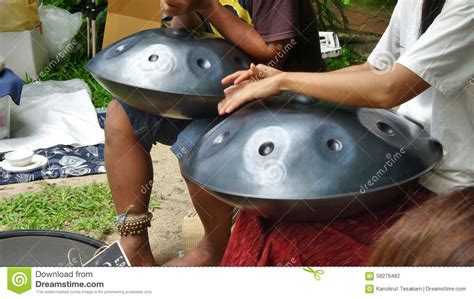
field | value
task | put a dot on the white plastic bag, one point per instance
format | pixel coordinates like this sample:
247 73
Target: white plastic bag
51 113
4 117
59 29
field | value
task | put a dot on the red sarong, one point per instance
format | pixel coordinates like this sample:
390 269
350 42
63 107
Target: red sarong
257 241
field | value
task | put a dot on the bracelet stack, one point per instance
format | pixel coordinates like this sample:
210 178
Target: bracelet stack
130 224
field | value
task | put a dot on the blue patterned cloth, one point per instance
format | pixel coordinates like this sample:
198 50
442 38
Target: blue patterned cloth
10 84
63 161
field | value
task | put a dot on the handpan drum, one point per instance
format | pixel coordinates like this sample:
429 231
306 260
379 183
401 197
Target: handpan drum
176 73
298 159
45 248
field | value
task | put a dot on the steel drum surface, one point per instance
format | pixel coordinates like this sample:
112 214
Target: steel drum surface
35 248
299 159
171 72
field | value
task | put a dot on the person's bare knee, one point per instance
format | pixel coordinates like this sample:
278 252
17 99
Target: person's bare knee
117 125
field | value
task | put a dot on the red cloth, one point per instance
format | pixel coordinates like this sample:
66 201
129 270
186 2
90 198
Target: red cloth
256 241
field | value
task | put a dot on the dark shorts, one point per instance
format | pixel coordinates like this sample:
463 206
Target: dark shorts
182 135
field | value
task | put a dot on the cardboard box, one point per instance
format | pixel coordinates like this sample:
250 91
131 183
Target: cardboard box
25 52
18 15
125 17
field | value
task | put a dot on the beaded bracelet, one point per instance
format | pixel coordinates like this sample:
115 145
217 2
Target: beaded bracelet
133 224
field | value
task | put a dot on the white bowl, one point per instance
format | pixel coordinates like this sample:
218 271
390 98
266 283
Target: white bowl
19 158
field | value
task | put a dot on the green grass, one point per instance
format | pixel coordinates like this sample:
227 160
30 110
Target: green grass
86 210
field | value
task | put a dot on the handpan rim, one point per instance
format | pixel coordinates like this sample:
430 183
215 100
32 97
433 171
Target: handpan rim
329 197
165 33
174 93
51 233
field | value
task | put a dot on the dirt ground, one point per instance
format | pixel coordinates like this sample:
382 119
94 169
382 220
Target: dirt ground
365 28
362 21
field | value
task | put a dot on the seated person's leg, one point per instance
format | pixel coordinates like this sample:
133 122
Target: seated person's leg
128 168
216 216
130 134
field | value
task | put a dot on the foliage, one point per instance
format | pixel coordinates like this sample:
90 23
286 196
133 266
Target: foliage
73 66
349 57
330 14
66 4
70 4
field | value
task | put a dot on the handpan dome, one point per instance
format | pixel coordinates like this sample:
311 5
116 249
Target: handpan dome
296 158
171 72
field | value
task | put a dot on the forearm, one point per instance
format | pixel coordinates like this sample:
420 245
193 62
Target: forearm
358 88
355 68
239 33
190 21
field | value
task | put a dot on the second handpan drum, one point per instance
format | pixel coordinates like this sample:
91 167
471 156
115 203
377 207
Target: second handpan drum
294 158
34 248
171 72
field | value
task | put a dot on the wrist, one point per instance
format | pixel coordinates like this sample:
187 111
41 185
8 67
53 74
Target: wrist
209 9
282 82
